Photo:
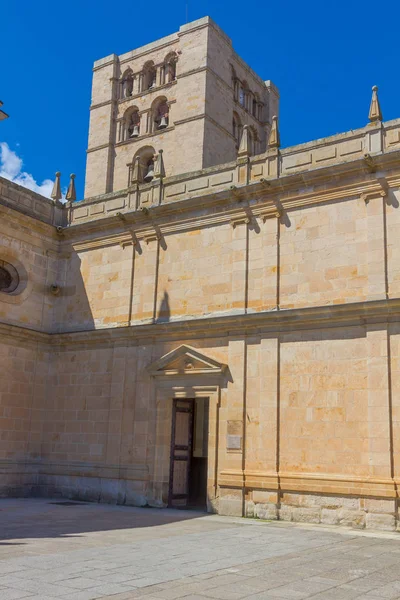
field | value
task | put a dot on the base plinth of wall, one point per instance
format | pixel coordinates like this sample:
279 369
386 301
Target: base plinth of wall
359 513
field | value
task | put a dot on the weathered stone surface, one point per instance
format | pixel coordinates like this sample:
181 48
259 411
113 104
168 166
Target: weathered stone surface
377 521
352 518
306 515
330 516
266 511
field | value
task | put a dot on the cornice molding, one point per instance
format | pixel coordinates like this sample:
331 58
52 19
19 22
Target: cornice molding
144 136
309 482
293 191
154 48
238 323
101 147
101 104
153 90
267 204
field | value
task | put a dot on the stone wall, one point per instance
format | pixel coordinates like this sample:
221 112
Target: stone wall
314 410
230 260
29 242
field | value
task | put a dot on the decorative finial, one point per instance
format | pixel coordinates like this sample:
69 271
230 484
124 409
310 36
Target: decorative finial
56 193
71 192
3 115
274 140
244 147
135 171
159 171
375 113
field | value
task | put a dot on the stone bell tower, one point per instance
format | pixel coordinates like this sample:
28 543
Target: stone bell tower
188 94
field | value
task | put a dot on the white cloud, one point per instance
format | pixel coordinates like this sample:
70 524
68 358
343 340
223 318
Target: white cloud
11 168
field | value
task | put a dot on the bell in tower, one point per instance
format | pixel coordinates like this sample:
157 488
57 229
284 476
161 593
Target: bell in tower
162 118
150 171
163 123
134 127
134 131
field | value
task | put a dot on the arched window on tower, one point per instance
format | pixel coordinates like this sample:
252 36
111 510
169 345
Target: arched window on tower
149 75
255 109
160 114
142 166
126 84
236 88
242 96
132 121
236 128
235 85
169 67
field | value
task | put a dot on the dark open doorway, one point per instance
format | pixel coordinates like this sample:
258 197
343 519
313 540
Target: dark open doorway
189 453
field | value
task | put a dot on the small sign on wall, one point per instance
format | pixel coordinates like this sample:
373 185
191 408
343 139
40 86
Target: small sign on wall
234 436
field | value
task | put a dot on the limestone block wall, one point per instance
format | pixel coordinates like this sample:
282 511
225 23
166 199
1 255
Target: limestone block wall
326 254
315 410
23 384
31 247
224 67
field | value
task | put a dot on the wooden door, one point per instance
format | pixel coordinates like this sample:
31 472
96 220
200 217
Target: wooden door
181 452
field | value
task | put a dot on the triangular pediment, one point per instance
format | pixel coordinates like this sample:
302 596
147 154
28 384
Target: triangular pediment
185 360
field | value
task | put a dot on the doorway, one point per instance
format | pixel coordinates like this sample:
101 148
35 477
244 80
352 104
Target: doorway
189 453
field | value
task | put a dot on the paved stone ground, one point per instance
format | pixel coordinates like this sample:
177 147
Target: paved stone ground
50 551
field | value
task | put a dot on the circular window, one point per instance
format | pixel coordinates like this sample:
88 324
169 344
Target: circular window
9 278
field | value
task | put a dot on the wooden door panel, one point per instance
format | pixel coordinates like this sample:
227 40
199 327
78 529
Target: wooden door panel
181 452
182 420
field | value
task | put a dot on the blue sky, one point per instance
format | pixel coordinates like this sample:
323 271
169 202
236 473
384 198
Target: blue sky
323 56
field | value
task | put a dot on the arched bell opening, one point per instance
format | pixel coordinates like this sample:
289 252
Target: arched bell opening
236 128
149 76
169 68
160 114
143 165
130 124
126 84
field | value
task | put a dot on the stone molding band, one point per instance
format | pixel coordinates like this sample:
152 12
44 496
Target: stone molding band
274 321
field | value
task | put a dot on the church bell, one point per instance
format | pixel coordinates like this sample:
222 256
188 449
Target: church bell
150 173
163 123
135 131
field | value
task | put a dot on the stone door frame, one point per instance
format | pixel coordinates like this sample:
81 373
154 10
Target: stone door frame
202 378
166 392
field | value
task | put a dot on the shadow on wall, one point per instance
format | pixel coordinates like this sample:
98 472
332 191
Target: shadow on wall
72 310
164 312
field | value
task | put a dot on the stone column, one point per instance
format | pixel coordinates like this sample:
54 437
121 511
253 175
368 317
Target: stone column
262 428
239 263
145 284
376 239
111 486
232 432
380 513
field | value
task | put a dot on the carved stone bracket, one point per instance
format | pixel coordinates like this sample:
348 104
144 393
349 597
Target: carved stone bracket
152 236
368 196
240 221
273 213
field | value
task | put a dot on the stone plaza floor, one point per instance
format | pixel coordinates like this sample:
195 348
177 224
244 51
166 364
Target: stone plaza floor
50 549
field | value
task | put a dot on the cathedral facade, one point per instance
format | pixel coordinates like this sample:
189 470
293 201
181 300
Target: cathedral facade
217 323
